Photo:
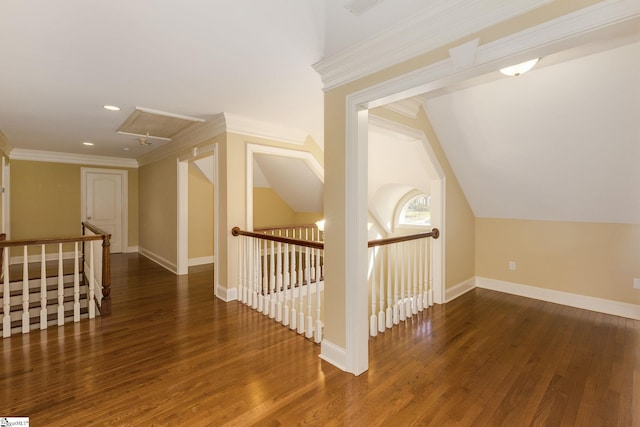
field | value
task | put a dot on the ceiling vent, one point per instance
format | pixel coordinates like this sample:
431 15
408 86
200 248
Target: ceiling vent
148 123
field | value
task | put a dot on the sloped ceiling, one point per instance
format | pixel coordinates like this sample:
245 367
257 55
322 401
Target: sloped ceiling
292 179
561 142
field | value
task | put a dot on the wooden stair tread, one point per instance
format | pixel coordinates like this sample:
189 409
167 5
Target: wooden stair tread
50 317
50 302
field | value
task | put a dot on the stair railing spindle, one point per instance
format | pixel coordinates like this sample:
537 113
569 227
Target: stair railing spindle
60 287
43 289
76 285
318 329
25 291
6 295
92 283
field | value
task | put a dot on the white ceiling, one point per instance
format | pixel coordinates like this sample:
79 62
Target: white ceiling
558 143
561 142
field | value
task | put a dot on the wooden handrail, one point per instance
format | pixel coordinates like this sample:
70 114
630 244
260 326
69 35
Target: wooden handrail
310 244
95 229
434 233
46 241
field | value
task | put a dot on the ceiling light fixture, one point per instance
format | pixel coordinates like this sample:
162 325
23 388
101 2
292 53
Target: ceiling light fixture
111 107
88 143
516 70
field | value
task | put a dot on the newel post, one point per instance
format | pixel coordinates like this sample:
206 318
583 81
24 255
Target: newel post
105 304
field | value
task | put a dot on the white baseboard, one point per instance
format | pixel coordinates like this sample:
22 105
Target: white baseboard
334 354
201 260
226 294
459 289
132 249
159 260
52 256
600 305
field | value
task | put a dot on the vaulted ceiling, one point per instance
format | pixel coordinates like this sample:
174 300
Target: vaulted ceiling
558 143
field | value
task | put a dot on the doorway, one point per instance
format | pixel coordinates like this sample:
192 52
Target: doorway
104 203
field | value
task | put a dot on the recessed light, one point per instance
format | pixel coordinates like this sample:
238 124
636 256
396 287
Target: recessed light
87 143
126 149
111 108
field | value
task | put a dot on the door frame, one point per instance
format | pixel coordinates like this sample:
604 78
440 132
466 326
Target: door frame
182 265
124 194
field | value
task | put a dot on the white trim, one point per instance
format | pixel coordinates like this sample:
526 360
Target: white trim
53 256
124 194
616 308
333 354
460 289
201 260
253 149
226 294
432 29
132 249
254 128
408 107
182 216
6 197
442 23
159 260
69 158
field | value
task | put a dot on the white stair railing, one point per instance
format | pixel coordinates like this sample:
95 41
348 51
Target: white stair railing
400 279
28 303
285 276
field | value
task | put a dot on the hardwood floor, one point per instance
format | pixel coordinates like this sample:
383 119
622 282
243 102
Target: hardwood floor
171 354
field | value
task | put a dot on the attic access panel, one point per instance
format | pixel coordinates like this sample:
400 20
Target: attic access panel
156 124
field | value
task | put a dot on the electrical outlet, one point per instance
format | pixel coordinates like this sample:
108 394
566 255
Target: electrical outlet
636 283
512 265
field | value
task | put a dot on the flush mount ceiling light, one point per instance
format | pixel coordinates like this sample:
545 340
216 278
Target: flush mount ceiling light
87 143
111 107
516 70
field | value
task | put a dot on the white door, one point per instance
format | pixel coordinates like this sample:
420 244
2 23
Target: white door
103 204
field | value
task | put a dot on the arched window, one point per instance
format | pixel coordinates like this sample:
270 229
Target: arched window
416 211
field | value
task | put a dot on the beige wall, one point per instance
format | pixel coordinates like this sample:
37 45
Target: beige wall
269 210
200 214
45 200
335 169
158 208
597 260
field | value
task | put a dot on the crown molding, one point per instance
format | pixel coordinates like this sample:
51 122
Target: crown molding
4 144
444 22
70 158
254 128
186 141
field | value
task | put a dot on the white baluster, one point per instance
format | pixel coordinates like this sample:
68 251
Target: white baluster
25 291
309 325
92 282
43 289
407 301
279 282
430 272
381 313
76 285
373 319
286 284
250 257
272 282
293 321
265 278
421 275
396 285
401 304
416 260
301 268
6 295
242 269
60 287
255 288
318 329
389 313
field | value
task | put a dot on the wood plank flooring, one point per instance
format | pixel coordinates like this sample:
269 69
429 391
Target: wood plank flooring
171 354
